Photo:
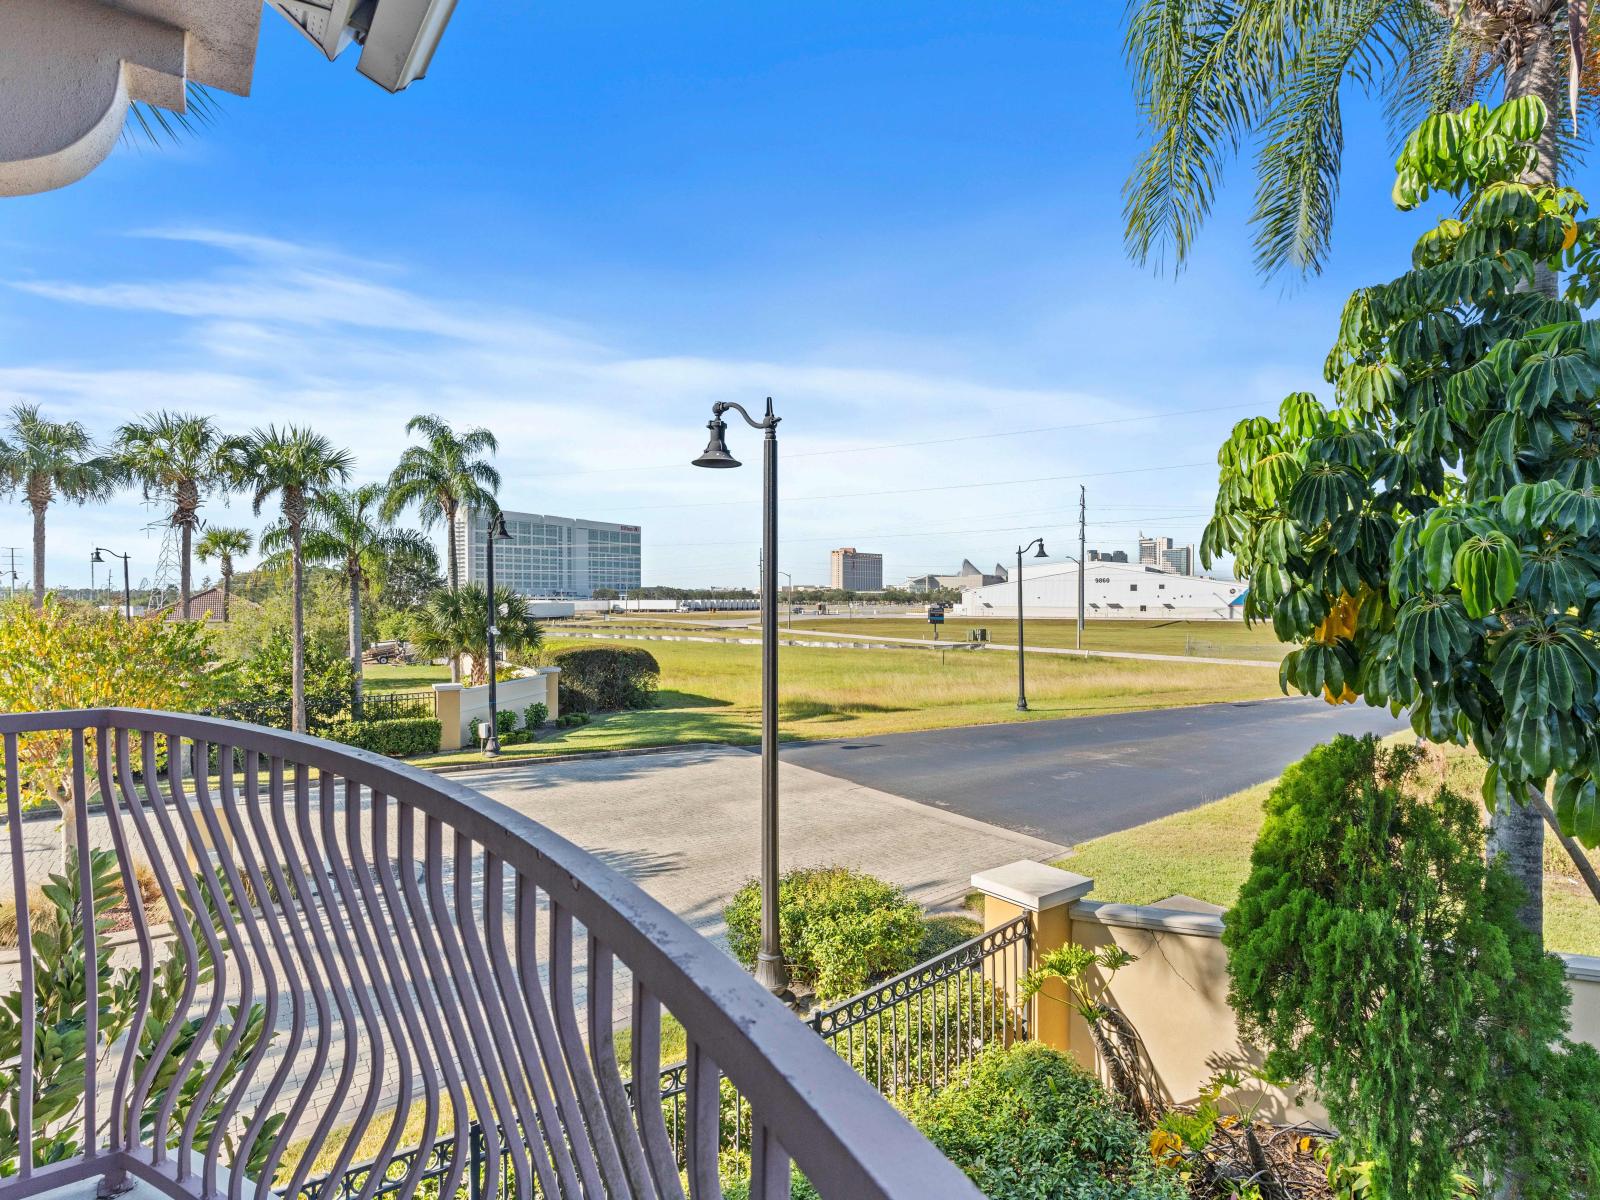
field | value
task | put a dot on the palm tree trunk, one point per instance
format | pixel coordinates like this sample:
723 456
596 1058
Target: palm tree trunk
452 575
185 576
227 585
354 573
38 507
297 719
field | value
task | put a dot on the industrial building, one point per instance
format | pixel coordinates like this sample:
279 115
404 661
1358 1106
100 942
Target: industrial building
853 570
969 576
551 557
1121 591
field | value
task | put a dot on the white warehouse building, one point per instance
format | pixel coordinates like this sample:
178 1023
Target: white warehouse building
1114 590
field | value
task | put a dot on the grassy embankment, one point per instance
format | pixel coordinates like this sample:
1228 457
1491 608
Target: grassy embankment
1205 853
710 692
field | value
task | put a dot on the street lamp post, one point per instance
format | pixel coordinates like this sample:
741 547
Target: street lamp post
788 608
770 970
497 533
1022 691
127 592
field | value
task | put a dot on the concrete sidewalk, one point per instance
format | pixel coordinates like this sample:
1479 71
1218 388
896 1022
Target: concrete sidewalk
685 826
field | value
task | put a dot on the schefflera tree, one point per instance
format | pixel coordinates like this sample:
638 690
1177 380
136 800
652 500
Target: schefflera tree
1433 539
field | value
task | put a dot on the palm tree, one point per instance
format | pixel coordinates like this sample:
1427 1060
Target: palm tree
452 623
43 460
298 466
176 458
223 545
440 476
1211 74
346 528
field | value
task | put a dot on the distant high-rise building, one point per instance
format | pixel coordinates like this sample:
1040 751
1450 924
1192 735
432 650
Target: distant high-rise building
851 570
1108 556
551 556
1163 555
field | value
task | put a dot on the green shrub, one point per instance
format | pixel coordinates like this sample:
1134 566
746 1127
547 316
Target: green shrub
1374 953
535 715
504 721
1028 1123
263 695
841 929
571 719
399 738
516 737
604 677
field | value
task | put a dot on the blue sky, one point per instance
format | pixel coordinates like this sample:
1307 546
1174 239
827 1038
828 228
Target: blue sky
903 220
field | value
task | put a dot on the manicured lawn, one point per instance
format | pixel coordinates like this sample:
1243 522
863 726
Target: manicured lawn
1205 853
402 678
1207 639
711 692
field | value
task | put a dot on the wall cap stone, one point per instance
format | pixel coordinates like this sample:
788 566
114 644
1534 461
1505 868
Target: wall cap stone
1148 916
1034 886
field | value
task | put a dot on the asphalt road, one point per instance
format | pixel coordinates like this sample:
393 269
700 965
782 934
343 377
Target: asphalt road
1075 779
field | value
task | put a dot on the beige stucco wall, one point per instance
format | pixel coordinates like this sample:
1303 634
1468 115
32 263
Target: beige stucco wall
461 708
1176 993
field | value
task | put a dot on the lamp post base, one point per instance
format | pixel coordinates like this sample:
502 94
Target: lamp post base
1022 706
771 974
491 748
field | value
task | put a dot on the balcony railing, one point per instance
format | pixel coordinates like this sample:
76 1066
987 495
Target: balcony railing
310 948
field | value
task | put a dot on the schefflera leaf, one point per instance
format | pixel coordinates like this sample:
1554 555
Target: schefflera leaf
1577 805
1486 568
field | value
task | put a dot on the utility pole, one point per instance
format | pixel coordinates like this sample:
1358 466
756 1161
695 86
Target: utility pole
1083 556
11 572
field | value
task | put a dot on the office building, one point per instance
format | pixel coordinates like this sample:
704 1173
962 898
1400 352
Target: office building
851 570
552 557
969 576
1163 555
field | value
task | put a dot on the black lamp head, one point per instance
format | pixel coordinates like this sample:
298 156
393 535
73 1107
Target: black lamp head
497 527
1041 553
716 451
95 557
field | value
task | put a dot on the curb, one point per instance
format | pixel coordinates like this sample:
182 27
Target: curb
577 756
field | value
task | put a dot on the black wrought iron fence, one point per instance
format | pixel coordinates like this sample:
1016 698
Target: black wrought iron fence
911 1031
392 706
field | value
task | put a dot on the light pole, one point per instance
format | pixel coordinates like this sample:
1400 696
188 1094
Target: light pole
770 970
127 592
789 607
1022 691
497 533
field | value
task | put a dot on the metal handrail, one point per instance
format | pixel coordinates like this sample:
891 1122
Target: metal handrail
352 898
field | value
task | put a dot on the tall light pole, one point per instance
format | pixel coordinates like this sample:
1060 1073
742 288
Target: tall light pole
789 607
1083 556
770 970
1022 690
127 592
497 533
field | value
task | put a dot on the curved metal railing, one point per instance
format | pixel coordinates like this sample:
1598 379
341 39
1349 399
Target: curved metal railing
298 950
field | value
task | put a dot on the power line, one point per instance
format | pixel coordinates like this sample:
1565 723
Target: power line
944 487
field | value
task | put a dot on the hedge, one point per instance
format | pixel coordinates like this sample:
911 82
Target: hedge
399 738
603 677
841 929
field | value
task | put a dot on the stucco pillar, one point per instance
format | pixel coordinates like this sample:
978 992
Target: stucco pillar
447 707
552 684
1046 894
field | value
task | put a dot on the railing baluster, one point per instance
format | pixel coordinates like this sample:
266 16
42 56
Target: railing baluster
28 1032
106 746
769 1164
569 1118
603 1053
703 1110
91 955
647 1100
563 973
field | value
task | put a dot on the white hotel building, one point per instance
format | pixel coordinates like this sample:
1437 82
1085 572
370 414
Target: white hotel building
1120 591
555 557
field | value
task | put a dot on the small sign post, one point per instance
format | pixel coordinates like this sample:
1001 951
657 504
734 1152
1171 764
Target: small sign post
935 618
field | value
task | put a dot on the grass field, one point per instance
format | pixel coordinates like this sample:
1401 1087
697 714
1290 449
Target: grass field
1205 853
1208 639
711 692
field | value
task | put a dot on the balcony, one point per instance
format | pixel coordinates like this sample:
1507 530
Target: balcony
301 948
